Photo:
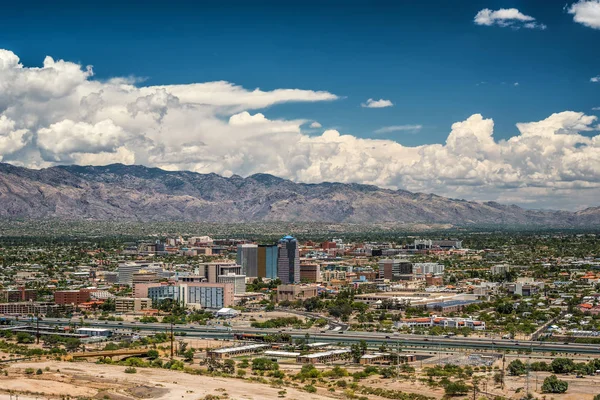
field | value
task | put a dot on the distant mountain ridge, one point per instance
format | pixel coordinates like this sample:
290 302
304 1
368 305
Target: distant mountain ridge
138 193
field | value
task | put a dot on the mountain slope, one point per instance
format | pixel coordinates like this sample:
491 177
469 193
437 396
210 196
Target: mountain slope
120 192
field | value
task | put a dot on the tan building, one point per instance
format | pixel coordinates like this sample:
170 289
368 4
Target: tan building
310 273
432 280
296 292
130 304
329 275
139 281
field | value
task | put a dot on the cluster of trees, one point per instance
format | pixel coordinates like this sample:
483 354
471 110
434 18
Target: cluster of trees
277 323
257 285
559 365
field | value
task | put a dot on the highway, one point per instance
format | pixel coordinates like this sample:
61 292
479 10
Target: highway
340 336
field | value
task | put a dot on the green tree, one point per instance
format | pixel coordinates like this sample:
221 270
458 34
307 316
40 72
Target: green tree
23 337
72 344
264 364
554 385
152 354
358 350
562 365
456 389
517 367
229 366
188 355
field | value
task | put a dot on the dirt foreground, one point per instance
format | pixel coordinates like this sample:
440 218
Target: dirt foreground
98 381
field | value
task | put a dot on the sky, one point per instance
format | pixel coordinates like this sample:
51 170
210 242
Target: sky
480 100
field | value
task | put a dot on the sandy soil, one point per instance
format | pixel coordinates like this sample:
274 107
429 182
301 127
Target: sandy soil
89 379
97 381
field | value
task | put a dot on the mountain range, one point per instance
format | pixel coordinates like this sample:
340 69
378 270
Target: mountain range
138 193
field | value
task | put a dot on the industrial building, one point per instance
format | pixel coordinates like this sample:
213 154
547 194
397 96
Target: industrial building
95 332
228 352
323 357
387 358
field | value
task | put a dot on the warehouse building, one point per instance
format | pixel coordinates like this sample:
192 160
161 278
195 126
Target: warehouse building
228 352
324 357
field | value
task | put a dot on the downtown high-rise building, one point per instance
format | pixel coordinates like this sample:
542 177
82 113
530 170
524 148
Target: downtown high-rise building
288 261
247 257
267 261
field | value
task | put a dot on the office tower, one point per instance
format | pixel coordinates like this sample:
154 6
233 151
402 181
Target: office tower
126 271
267 261
288 262
211 271
247 257
393 269
238 282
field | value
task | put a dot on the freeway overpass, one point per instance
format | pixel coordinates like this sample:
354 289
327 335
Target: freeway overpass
372 338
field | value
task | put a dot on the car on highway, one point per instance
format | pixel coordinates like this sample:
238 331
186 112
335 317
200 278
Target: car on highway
387 337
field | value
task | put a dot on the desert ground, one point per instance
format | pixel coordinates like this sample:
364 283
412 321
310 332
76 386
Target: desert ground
98 381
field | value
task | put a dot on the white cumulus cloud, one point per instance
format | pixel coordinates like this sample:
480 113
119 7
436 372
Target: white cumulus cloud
11 139
595 79
315 124
586 12
507 17
58 114
381 103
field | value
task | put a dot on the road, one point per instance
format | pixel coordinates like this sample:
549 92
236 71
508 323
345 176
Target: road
372 338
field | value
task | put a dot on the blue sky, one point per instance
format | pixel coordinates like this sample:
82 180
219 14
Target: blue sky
435 61
428 58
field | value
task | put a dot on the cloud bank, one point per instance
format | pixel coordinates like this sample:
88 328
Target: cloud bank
507 17
586 12
58 114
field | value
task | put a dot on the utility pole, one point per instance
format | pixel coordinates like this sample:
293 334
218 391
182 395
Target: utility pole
527 391
503 361
171 335
37 328
398 360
